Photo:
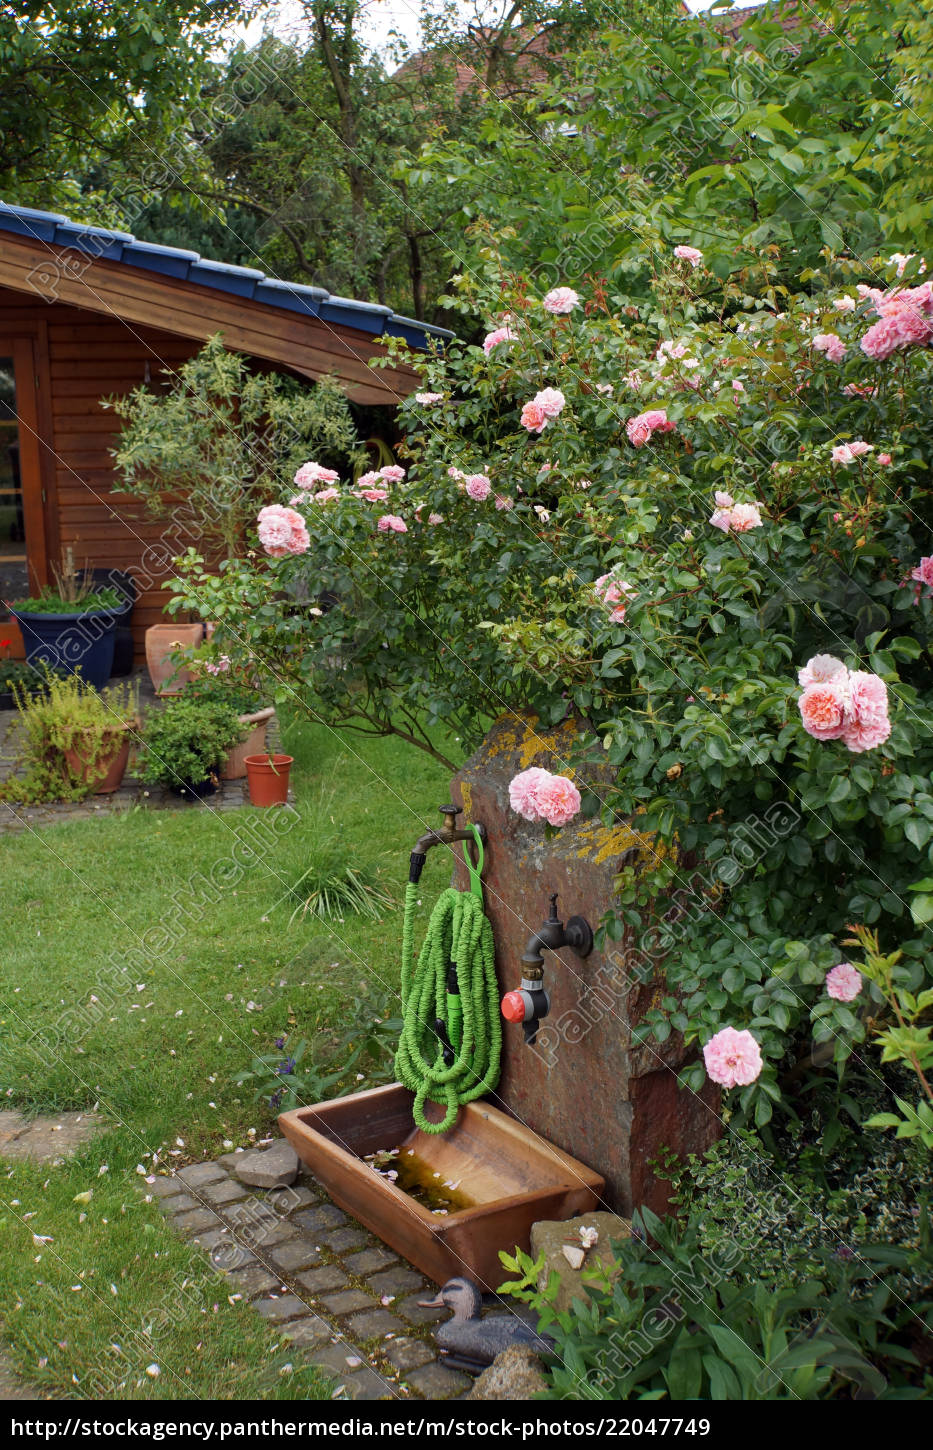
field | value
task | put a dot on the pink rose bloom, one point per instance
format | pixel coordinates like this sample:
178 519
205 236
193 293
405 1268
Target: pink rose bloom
641 427
733 1059
723 500
689 254
924 571
823 709
745 516
721 519
884 460
560 300
551 401
391 523
867 723
819 669
534 418
493 339
435 518
558 800
374 495
844 982
669 348
454 472
831 344
477 486
614 592
311 473
738 386
392 473
846 453
282 531
523 792
906 320
426 399
367 480
326 495
503 502
844 304
632 380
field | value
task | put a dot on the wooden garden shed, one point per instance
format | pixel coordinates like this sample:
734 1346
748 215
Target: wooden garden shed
86 313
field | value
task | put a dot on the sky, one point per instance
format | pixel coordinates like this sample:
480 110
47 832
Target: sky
385 16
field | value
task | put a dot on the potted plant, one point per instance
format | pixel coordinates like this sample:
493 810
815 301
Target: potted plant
77 740
166 646
246 699
186 743
268 774
71 626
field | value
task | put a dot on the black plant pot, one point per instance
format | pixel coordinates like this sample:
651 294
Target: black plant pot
127 588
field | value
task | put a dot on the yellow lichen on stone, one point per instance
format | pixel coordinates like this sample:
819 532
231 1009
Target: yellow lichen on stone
466 791
600 843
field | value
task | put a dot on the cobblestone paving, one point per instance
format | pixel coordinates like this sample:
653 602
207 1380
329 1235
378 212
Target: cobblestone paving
341 1299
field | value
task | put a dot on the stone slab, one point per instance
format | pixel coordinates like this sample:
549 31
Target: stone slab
43 1139
288 1306
346 1302
268 1167
436 1382
374 1324
195 1175
297 1253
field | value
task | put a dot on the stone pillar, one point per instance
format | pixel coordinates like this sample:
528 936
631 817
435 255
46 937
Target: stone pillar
582 1086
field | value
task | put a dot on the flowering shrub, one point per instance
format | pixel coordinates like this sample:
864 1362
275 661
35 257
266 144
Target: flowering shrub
664 575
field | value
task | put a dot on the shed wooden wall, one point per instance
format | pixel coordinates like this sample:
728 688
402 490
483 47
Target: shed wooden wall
88 359
80 358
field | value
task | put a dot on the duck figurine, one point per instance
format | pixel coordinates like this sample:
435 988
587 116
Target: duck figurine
471 1342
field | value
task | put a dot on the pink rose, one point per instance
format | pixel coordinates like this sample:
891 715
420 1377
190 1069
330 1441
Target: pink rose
534 418
523 792
884 460
844 982
832 345
733 1059
427 399
693 255
391 523
326 495
560 300
819 669
867 724
477 486
503 502
906 320
367 480
493 339
823 709
392 473
744 516
924 571
558 800
641 427
310 474
282 531
374 495
846 453
614 593
844 304
435 518
551 401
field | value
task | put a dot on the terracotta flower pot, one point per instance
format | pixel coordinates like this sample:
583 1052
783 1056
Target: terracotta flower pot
162 641
268 782
235 764
106 772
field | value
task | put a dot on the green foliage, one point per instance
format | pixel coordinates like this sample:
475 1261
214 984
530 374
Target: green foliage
51 602
792 127
331 887
679 1322
60 712
185 742
87 79
284 1081
224 435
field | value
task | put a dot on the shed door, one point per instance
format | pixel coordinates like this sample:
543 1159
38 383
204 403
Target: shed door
22 529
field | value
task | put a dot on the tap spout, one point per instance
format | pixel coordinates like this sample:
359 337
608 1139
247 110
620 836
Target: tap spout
445 835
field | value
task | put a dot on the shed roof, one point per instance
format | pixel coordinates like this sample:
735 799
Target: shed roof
304 328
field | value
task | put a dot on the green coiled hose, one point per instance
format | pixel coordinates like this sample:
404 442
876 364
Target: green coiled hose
459 941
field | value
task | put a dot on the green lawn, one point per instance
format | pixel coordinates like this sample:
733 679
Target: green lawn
211 978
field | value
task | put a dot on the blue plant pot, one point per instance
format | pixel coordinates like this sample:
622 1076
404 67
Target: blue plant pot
80 643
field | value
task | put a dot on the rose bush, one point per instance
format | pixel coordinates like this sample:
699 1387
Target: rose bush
700 501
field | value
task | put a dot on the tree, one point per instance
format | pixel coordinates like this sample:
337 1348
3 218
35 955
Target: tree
86 79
